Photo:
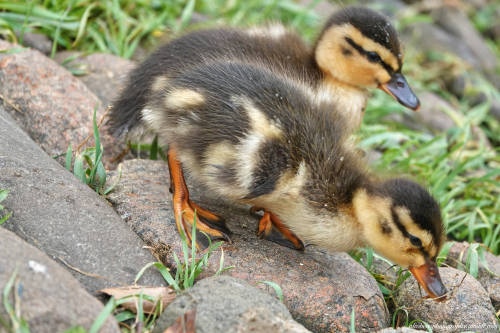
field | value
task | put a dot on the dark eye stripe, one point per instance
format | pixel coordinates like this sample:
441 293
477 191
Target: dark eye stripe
403 230
368 55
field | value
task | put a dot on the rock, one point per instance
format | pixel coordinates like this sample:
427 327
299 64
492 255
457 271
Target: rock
320 289
388 7
37 41
477 4
432 113
49 103
431 38
464 86
226 304
495 109
468 308
104 74
457 85
321 8
51 300
457 257
262 321
198 18
493 32
494 78
454 21
64 218
399 330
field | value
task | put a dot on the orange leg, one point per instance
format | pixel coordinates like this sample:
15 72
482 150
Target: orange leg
185 209
273 229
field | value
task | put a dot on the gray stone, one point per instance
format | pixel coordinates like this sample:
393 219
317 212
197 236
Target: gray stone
467 307
399 330
488 277
320 289
51 300
226 304
430 117
104 74
260 320
495 109
49 103
457 85
430 37
457 23
493 32
321 8
37 41
64 218
432 113
391 8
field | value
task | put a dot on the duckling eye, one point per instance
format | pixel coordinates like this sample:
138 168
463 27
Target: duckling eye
415 241
373 56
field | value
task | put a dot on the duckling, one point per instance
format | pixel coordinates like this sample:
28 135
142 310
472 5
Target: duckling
258 138
357 49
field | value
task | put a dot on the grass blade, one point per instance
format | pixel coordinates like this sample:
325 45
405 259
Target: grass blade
78 169
153 152
83 24
112 186
353 322
276 288
5 218
69 156
187 13
3 195
103 315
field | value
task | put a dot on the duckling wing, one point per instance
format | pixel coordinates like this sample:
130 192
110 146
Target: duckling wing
275 48
240 128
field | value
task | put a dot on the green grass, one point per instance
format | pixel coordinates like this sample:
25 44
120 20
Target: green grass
6 215
193 263
118 27
188 269
15 322
88 165
460 168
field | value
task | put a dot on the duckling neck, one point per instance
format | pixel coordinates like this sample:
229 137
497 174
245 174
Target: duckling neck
350 99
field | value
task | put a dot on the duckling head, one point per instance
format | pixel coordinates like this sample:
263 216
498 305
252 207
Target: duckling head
360 47
402 222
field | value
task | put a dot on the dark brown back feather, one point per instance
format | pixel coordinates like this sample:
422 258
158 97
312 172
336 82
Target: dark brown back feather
287 54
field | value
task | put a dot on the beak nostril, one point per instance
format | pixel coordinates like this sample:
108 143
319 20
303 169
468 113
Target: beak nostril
401 84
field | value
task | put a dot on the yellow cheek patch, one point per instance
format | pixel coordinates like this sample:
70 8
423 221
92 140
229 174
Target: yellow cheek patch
183 98
364 75
354 68
370 210
382 76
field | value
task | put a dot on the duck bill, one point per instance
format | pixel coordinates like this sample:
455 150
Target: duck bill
399 89
428 277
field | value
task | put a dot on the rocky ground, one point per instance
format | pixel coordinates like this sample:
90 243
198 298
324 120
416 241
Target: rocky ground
65 242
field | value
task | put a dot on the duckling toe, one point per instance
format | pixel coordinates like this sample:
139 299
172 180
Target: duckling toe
205 228
274 230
